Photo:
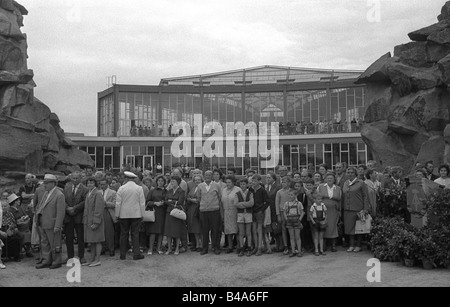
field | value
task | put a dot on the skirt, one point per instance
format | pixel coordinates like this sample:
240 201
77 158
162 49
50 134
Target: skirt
157 227
350 221
173 227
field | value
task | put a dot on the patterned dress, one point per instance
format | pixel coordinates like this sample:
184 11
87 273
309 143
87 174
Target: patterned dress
229 210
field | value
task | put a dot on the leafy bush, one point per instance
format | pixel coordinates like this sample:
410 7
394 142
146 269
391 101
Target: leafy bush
438 208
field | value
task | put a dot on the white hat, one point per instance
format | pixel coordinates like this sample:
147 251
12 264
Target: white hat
50 178
130 175
11 198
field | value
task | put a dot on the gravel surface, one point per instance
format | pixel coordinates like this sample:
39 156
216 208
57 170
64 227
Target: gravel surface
227 270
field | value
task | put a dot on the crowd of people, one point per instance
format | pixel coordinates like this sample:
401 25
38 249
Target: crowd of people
287 128
289 212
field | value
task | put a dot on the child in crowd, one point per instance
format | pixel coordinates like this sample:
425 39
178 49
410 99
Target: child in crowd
260 205
293 214
244 203
318 219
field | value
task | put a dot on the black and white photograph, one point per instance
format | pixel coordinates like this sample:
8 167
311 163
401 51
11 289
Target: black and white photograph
224 148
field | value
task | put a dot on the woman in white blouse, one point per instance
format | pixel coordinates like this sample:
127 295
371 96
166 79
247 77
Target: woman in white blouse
331 197
444 180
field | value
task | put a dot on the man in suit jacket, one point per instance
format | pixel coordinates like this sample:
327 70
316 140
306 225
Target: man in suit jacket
112 230
50 217
272 188
130 206
75 193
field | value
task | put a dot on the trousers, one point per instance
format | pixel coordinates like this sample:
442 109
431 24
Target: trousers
49 242
211 222
70 228
125 226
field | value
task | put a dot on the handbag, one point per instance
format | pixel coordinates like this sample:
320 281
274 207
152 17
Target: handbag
363 226
149 216
178 213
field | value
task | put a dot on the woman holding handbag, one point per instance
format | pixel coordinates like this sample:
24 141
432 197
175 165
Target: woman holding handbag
356 203
193 214
173 227
155 201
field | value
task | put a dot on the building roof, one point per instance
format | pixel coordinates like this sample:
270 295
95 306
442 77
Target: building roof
267 74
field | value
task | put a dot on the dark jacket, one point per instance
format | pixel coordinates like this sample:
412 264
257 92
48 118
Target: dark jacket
76 201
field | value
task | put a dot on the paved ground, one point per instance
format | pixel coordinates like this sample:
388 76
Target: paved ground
192 270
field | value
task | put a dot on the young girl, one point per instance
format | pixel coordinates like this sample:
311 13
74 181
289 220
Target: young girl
293 214
318 218
244 204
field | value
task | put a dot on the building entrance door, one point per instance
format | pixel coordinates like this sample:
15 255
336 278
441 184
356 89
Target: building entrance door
148 163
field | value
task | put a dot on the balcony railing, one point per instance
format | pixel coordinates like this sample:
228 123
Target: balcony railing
299 129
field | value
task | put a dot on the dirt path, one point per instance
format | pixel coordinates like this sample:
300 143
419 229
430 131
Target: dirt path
192 270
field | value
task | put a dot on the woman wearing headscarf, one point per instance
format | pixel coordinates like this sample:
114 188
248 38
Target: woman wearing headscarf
9 235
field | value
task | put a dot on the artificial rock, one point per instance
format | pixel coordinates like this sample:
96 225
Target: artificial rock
408 99
31 138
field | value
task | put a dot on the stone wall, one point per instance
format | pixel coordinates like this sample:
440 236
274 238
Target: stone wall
408 99
31 138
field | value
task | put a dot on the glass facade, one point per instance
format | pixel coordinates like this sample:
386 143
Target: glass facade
137 110
303 102
106 108
105 157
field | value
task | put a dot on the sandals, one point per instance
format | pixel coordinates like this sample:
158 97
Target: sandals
350 249
316 253
357 249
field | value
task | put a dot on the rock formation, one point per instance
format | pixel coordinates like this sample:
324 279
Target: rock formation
408 99
31 139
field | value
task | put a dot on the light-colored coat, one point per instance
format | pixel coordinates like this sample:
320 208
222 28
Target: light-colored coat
110 203
53 211
130 201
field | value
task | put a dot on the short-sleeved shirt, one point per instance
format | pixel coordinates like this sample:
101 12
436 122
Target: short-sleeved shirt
293 208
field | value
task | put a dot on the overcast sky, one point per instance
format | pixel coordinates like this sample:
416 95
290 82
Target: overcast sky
73 45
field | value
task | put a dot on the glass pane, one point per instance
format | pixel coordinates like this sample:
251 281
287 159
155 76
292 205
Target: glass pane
116 157
99 158
158 156
362 158
353 154
336 154
294 160
319 154
286 155
328 160
108 162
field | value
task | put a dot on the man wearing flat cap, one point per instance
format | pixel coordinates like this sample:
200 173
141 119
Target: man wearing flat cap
130 206
50 217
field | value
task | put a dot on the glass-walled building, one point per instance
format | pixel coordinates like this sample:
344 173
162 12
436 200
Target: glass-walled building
319 114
